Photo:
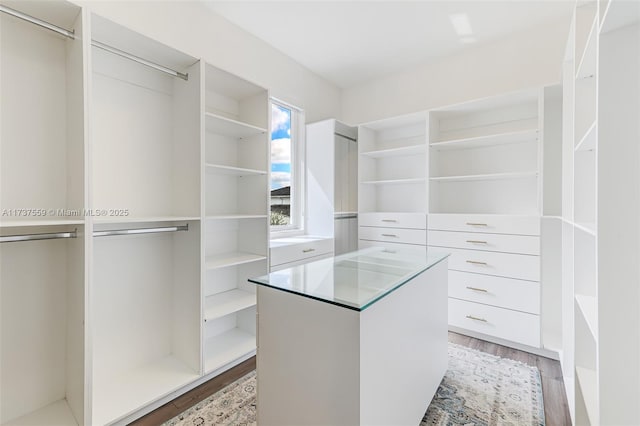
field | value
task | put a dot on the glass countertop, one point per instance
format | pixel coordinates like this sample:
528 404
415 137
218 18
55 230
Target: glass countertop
354 280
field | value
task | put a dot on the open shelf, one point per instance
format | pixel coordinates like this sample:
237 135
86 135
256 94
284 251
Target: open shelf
489 176
589 309
487 140
225 126
231 259
57 413
227 347
228 302
393 181
397 152
588 141
588 383
117 397
234 171
150 219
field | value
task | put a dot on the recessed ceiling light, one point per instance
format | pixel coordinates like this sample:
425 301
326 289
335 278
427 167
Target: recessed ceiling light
461 24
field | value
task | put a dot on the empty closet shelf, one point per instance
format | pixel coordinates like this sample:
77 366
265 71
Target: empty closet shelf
232 259
488 140
393 181
404 151
490 176
234 171
227 347
228 127
228 302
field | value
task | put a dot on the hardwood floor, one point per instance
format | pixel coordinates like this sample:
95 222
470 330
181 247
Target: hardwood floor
556 410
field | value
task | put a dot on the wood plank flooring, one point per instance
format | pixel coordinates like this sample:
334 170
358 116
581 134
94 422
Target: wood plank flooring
556 410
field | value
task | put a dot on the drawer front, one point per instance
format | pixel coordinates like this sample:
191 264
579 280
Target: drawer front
507 293
362 244
521 244
493 224
498 322
520 266
397 235
394 220
300 262
295 252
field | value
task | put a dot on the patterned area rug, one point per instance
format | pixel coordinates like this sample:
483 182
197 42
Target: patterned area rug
478 389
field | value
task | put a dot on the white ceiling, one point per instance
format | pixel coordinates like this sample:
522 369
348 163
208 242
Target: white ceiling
348 42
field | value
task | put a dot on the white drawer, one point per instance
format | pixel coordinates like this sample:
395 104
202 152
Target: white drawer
282 266
362 244
495 224
508 265
522 244
395 235
299 251
498 322
507 293
394 220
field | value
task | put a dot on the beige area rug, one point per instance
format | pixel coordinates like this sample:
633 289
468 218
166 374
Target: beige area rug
478 389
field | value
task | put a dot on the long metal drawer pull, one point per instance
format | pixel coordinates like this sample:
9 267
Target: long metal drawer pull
475 262
477 289
308 250
476 242
476 224
476 318
389 220
389 235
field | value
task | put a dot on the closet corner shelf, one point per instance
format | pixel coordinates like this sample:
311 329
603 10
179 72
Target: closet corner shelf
39 222
393 181
233 171
588 382
589 309
232 259
140 219
404 151
586 227
488 140
619 14
233 128
491 176
235 216
226 303
227 347
588 141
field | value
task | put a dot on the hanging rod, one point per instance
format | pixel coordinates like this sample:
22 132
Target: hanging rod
39 22
140 60
35 237
346 137
140 231
338 216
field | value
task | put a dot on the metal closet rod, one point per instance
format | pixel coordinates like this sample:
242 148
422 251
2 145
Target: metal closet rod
134 231
36 237
39 22
100 45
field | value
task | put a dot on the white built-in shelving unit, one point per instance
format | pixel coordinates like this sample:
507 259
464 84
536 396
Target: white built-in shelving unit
601 252
392 176
486 179
236 171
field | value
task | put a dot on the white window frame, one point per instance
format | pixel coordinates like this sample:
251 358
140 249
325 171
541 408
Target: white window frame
298 168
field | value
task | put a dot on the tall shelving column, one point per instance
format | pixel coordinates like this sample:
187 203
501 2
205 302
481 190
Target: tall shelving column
145 284
392 182
606 211
42 177
485 202
236 232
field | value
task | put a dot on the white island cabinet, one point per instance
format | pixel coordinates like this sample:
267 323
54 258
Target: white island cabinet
358 339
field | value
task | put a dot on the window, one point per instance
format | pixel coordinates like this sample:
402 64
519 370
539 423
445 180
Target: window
287 167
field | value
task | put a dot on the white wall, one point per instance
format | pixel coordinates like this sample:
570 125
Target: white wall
191 27
527 59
